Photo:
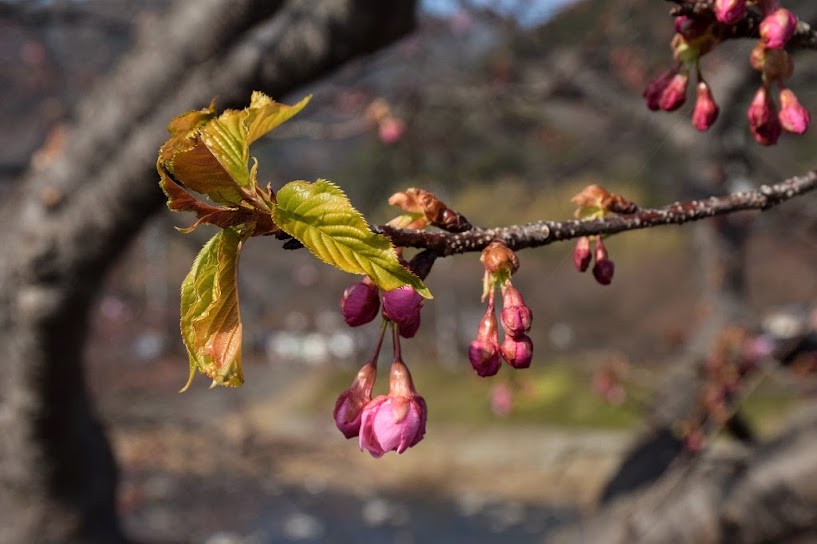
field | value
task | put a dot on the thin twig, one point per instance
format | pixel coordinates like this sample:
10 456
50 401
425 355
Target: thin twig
543 233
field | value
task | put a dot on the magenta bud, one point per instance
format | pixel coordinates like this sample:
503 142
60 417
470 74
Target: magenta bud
359 303
777 28
402 305
706 110
674 94
581 254
350 403
652 94
763 120
484 350
730 11
395 422
517 350
793 116
410 328
516 316
603 271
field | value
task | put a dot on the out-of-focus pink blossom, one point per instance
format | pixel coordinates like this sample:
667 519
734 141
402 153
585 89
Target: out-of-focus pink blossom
484 350
793 116
763 120
516 316
581 254
395 422
674 94
777 28
391 130
730 11
706 110
501 399
350 403
517 350
360 303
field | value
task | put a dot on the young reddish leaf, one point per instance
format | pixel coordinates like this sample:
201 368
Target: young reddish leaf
320 216
210 318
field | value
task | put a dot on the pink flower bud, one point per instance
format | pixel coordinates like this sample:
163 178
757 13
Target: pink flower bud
359 303
395 422
706 110
793 116
652 94
604 268
517 350
581 254
391 130
402 305
730 12
777 28
763 120
674 95
484 350
350 403
516 316
409 329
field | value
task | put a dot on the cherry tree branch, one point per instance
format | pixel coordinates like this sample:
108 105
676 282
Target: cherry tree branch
542 233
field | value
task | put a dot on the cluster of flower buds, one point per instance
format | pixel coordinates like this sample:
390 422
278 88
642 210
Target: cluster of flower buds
595 202
696 37
485 352
393 422
389 127
361 301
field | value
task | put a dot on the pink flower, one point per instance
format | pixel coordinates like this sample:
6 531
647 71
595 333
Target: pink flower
391 130
581 254
395 422
730 12
484 350
360 303
793 116
518 350
763 120
350 403
674 94
402 305
706 110
516 316
604 268
777 28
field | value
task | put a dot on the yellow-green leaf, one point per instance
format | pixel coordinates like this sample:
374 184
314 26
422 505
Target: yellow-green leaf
264 114
210 317
320 216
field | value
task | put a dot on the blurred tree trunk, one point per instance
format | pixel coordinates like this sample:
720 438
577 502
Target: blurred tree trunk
72 218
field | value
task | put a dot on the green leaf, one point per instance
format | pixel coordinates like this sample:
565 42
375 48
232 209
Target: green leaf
264 114
320 216
210 317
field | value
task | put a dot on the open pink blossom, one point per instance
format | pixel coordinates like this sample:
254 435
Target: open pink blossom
395 422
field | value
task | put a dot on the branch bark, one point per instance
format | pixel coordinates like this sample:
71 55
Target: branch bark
71 219
543 233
